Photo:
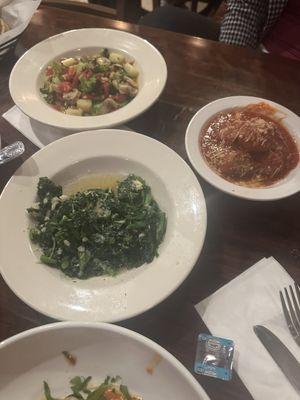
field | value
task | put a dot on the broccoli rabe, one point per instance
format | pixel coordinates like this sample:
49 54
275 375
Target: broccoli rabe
87 85
98 231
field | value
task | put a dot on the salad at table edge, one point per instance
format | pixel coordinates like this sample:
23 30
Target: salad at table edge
90 85
81 389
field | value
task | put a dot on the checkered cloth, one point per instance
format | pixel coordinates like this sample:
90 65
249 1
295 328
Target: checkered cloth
247 21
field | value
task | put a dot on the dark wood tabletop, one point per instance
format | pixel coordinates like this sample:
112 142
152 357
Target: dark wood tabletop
239 232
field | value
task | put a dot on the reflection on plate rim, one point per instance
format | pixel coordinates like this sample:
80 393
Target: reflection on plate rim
272 192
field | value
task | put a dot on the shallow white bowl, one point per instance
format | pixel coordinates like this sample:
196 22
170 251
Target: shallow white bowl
101 349
26 94
283 188
108 299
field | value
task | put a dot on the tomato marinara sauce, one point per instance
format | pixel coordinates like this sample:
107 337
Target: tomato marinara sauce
249 146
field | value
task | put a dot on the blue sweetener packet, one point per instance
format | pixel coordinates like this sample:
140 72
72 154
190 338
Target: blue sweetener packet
214 357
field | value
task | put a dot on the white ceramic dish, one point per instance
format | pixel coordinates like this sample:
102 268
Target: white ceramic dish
101 349
26 94
108 299
283 188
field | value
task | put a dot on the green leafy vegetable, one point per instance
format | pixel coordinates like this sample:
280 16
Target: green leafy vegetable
96 109
57 67
80 384
87 85
104 52
47 392
47 188
98 231
82 390
50 98
125 392
101 68
98 393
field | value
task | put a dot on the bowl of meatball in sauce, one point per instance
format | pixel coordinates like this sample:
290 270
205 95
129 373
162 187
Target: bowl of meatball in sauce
246 146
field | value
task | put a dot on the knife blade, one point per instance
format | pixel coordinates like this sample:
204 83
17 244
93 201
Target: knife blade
280 354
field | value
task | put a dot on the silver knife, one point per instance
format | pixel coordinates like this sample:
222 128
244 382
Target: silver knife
280 354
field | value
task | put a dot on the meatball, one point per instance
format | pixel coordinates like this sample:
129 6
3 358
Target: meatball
256 134
229 128
237 165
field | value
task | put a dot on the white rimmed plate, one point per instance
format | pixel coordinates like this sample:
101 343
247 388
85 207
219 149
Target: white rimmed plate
101 349
176 190
26 94
283 188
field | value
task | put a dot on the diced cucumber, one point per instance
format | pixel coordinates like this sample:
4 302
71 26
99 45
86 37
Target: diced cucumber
116 58
84 104
131 70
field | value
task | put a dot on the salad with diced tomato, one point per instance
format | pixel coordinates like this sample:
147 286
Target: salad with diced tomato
81 389
92 84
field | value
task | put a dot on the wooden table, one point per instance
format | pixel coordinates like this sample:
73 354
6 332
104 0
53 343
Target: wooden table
239 232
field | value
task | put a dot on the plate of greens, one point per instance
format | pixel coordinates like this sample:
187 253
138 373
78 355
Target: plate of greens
99 231
103 230
91 361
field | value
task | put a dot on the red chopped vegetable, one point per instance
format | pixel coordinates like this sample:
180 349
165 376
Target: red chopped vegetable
49 71
64 87
120 98
72 71
105 87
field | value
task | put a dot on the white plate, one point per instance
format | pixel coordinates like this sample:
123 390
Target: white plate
101 349
176 190
283 188
26 94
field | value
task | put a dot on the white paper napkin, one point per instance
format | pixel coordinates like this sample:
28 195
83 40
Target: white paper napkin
37 133
17 13
253 299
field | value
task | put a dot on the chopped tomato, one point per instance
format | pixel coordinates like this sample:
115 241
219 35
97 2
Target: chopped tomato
110 394
75 81
105 87
49 71
120 98
56 107
58 96
66 77
86 74
71 71
64 87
